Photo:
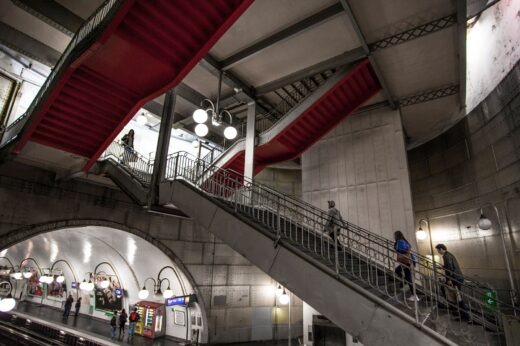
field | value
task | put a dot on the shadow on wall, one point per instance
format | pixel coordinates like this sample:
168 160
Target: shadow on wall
474 165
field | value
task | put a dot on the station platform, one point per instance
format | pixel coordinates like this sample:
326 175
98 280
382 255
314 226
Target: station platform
85 326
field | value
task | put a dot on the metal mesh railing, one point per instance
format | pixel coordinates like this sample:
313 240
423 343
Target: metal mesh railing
90 29
358 254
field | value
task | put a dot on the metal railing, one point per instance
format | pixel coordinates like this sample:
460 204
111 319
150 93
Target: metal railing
89 30
357 254
133 162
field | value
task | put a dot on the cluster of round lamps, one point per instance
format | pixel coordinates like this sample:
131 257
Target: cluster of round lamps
144 293
200 116
89 286
282 295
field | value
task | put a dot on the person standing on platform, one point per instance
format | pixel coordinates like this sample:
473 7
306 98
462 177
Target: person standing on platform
406 261
113 325
77 306
68 306
122 322
133 319
128 144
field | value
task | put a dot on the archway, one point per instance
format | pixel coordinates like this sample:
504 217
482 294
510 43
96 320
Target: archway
132 255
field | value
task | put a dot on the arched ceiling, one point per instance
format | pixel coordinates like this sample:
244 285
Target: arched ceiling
133 258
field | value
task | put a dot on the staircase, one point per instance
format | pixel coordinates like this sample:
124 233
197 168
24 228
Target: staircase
124 55
352 282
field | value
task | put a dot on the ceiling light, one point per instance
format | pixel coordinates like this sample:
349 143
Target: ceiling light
141 119
83 285
27 275
201 130
195 144
279 290
60 279
143 294
90 286
17 276
200 116
230 132
43 279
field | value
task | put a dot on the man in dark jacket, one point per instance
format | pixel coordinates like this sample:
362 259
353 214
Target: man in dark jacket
68 306
454 277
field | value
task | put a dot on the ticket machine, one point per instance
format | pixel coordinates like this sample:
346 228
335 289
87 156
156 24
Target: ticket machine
152 322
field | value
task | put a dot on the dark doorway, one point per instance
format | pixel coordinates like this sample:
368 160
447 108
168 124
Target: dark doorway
326 333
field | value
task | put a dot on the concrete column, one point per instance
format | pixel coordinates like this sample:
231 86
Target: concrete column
163 143
249 162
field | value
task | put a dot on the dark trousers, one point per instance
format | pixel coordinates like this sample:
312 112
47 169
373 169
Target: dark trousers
407 275
463 309
66 311
122 330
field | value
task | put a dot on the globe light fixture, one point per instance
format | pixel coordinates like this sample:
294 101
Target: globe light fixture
284 298
7 304
141 119
201 130
43 279
484 223
230 132
421 234
168 293
17 275
60 279
104 284
143 294
200 116
90 286
27 274
83 285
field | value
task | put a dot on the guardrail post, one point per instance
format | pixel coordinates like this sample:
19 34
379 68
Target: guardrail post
336 259
279 221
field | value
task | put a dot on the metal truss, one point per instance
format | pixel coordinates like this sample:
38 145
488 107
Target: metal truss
429 95
412 34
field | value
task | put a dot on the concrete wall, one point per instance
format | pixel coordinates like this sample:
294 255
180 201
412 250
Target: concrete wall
491 49
474 164
288 181
237 298
362 166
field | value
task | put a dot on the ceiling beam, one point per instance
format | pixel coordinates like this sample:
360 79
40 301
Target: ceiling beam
282 35
28 46
361 37
53 14
342 59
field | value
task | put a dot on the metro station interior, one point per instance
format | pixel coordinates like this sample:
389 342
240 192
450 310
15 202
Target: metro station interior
260 172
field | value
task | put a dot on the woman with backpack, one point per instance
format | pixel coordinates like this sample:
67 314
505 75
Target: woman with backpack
405 260
128 145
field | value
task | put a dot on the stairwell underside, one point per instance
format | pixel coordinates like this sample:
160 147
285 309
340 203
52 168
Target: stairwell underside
370 319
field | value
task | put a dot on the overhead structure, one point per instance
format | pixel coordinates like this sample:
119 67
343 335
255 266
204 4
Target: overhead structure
94 89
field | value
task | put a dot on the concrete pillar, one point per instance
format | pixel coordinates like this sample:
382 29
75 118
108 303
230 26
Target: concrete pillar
249 162
163 143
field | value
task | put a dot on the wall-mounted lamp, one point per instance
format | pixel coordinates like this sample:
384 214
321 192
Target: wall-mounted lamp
8 303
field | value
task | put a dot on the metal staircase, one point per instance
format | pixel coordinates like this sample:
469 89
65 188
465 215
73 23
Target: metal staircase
351 281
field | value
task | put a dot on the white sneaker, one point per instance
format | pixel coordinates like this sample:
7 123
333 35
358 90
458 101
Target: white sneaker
413 298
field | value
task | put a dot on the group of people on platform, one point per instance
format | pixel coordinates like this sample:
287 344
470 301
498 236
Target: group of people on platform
120 321
450 287
68 306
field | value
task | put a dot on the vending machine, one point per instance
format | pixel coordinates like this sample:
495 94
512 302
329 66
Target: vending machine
152 322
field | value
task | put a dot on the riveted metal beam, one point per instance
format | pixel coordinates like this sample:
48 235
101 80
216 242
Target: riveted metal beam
429 95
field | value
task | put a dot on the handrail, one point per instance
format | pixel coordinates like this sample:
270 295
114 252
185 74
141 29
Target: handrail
359 254
90 29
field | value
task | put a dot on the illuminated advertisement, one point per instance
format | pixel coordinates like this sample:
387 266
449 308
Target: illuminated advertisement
109 298
34 287
57 290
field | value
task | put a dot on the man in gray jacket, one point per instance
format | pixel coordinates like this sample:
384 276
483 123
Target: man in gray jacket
334 221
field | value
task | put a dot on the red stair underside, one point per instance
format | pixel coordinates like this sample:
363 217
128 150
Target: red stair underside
321 117
147 49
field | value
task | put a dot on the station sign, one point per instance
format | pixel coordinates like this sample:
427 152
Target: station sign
182 300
